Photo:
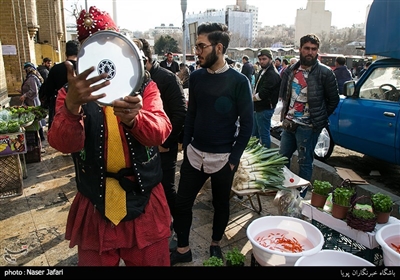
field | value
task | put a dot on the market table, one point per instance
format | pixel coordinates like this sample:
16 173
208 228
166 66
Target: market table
339 236
291 181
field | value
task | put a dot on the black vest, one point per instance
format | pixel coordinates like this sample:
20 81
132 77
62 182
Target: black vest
91 173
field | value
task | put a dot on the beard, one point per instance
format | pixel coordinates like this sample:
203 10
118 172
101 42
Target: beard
304 60
210 59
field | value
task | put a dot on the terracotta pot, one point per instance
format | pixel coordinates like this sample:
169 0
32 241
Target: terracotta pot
382 217
339 211
318 200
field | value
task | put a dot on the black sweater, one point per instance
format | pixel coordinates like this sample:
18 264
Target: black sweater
215 103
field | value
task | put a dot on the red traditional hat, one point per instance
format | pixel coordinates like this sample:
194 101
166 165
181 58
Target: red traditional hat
93 21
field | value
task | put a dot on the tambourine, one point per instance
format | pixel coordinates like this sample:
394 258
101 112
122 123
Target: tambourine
115 54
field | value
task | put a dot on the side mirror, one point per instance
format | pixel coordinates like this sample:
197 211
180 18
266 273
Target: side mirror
349 88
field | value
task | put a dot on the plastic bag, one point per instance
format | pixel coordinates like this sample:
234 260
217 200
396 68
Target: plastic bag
278 108
288 203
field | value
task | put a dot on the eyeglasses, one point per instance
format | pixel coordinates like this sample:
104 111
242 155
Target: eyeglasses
199 48
310 48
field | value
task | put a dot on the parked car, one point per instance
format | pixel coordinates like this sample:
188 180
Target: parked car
366 119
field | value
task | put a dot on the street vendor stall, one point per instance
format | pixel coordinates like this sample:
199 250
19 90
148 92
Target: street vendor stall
28 117
340 236
14 125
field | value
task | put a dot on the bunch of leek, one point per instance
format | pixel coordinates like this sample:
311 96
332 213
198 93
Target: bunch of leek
260 168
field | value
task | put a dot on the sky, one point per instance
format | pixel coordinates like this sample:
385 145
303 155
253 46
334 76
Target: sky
142 15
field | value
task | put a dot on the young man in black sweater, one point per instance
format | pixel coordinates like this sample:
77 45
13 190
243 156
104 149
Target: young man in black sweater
218 126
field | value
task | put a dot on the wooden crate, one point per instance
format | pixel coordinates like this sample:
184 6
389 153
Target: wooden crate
34 147
11 181
33 155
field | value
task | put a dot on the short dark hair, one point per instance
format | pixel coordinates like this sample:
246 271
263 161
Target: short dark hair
72 48
147 50
216 33
278 59
312 38
46 59
341 60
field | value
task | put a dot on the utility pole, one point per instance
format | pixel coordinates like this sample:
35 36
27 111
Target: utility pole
183 7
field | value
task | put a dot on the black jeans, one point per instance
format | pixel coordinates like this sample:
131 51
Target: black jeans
191 182
168 165
52 110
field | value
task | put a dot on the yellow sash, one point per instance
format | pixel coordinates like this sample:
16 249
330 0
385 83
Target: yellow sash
115 200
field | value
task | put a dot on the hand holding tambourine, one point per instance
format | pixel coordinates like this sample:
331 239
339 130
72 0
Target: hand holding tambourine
80 88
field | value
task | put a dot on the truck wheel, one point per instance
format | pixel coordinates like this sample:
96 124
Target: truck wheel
325 145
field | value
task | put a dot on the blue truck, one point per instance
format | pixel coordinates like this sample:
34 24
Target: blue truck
366 119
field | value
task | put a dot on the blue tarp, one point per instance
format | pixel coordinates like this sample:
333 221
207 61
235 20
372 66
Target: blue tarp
383 29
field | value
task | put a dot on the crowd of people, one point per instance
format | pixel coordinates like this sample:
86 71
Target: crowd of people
127 206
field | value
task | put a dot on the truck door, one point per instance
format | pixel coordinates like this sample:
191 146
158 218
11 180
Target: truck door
371 122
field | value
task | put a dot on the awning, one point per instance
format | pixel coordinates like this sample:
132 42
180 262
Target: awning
383 29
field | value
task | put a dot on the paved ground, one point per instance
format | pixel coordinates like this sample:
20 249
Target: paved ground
33 224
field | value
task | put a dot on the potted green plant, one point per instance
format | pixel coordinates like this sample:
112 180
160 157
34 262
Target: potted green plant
341 201
382 205
320 192
213 261
343 196
234 257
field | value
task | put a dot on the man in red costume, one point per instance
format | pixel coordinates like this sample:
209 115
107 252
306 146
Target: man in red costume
84 128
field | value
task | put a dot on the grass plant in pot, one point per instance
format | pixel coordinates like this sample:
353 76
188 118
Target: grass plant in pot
320 192
361 216
382 205
234 257
341 201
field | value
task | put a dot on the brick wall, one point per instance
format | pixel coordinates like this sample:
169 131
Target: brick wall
18 20
3 84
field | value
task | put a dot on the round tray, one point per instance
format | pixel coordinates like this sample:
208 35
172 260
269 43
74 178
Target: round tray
111 52
27 124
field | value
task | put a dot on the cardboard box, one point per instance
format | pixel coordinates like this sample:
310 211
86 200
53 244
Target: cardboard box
354 178
12 144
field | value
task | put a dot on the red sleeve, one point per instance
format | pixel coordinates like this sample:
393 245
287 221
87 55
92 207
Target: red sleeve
152 125
67 133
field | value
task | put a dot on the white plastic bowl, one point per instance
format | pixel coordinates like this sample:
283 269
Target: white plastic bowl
390 256
267 257
332 258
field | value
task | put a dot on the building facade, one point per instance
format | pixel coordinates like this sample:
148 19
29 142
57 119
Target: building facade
31 30
314 19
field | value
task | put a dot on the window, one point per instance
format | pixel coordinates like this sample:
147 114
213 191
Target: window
382 84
